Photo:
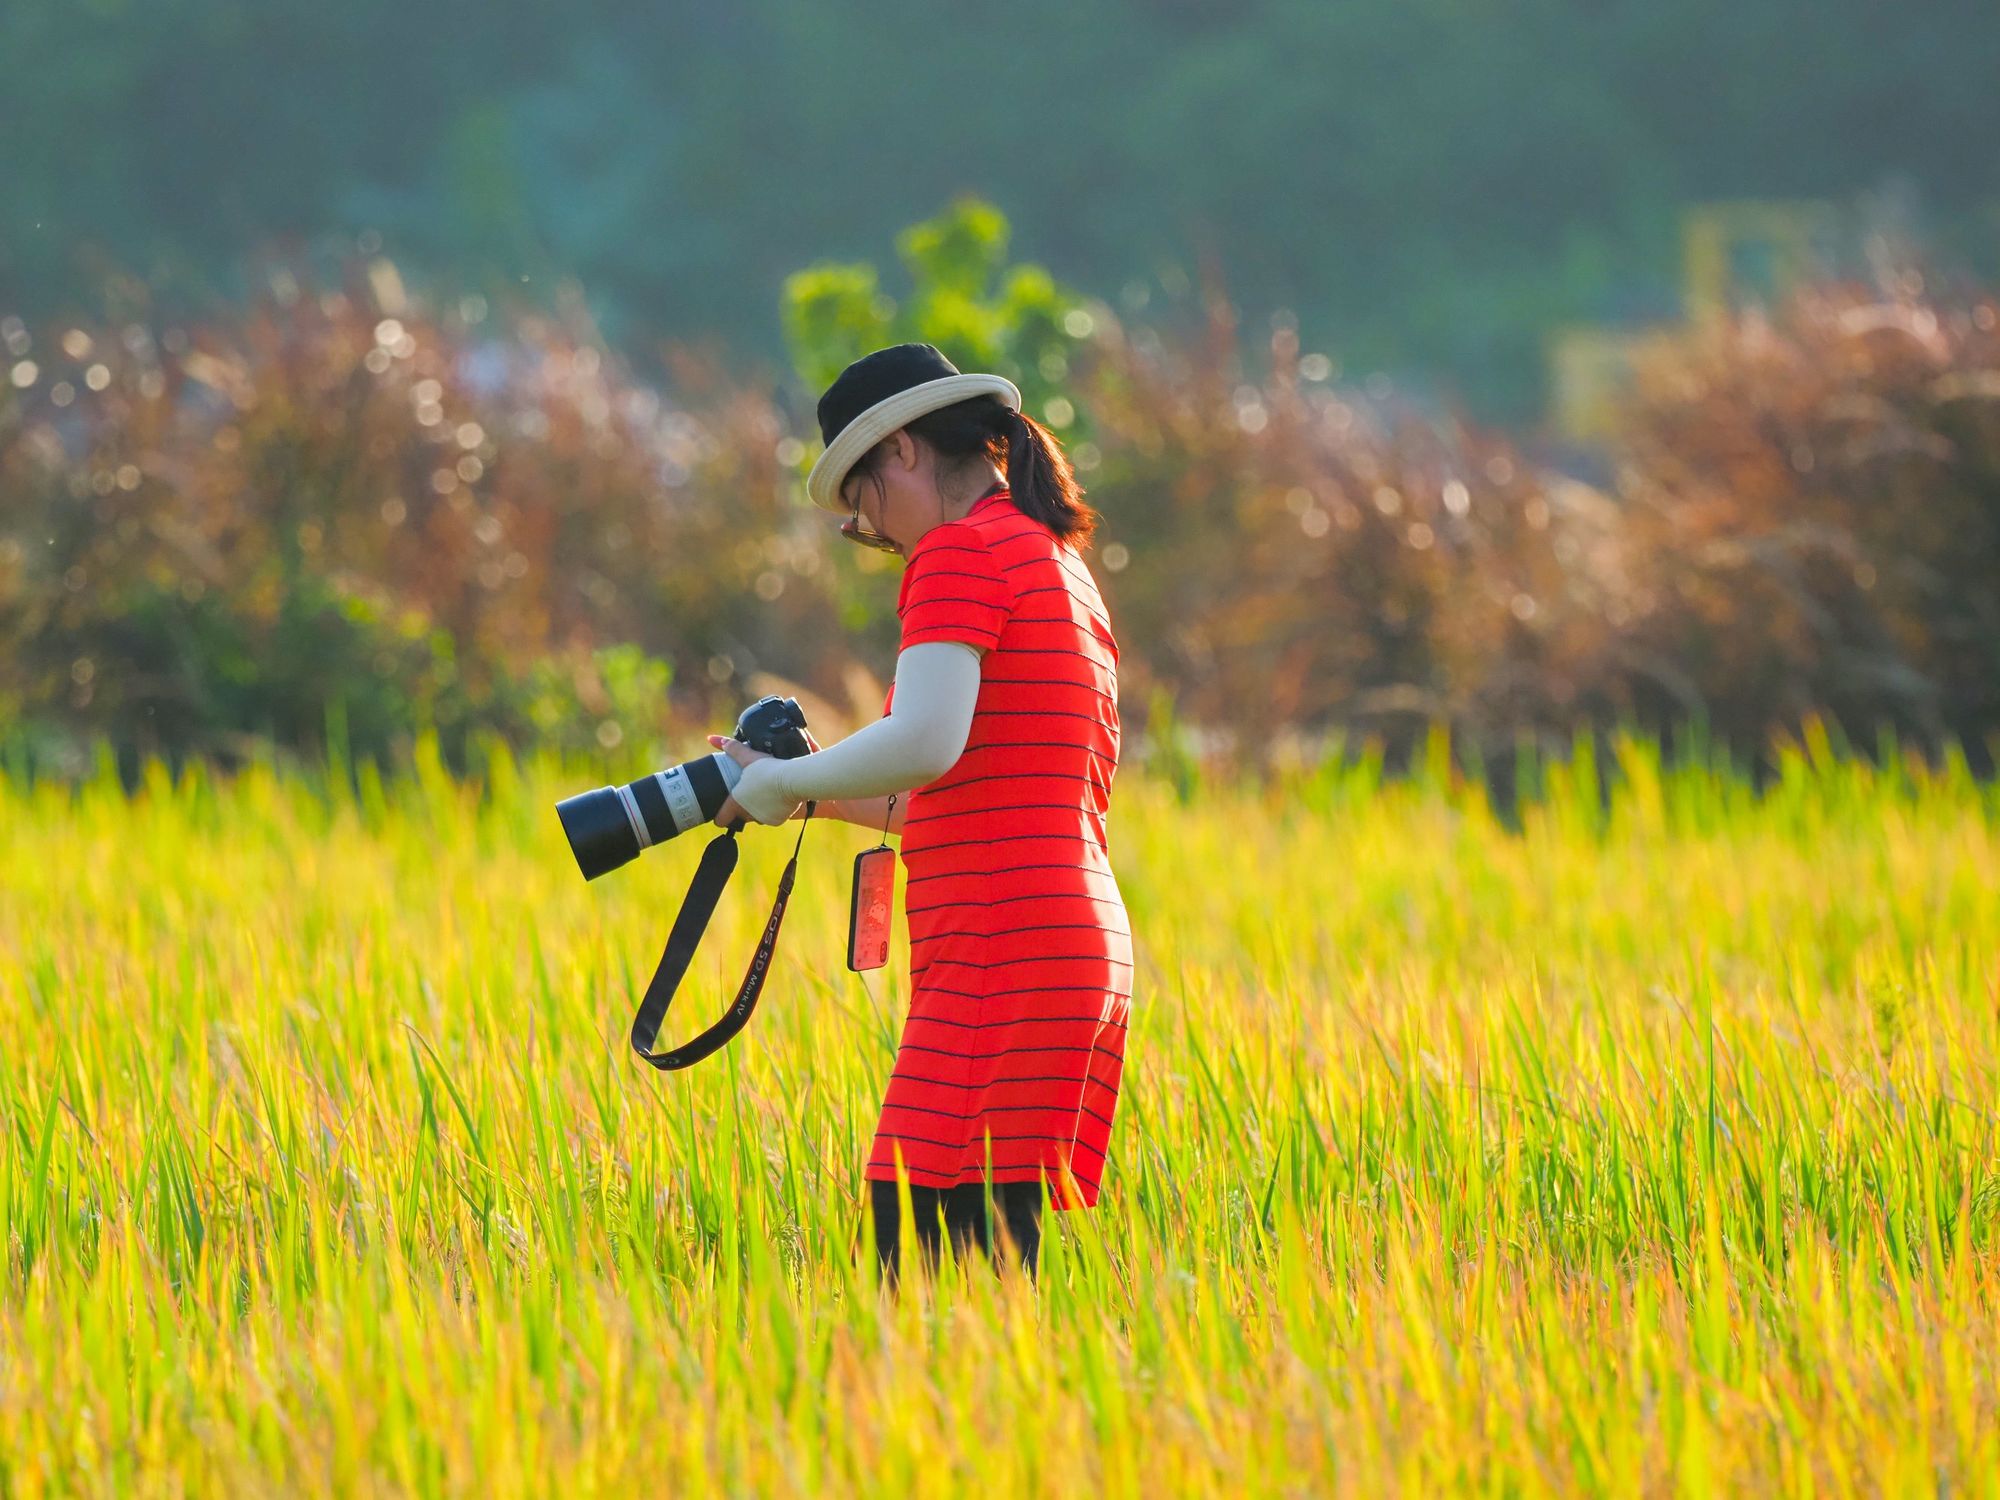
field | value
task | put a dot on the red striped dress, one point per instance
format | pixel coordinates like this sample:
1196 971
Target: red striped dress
1020 951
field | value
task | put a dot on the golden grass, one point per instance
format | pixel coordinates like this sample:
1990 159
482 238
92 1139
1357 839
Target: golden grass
1650 1152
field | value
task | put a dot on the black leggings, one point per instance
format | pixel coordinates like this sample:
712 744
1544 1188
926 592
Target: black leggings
963 1209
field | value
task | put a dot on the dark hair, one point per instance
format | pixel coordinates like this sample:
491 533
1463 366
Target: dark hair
1038 473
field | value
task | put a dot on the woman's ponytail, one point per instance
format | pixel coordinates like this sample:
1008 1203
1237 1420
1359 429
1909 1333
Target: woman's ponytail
1043 484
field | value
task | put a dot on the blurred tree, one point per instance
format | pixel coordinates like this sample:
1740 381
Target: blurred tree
965 298
1426 183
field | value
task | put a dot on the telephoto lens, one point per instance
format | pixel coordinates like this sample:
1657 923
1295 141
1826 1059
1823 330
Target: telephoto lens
614 824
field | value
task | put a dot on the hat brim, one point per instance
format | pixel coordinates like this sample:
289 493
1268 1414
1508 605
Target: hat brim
885 416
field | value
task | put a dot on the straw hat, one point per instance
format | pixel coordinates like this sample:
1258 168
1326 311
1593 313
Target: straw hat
879 393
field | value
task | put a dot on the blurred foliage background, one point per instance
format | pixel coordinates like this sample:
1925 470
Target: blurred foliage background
1428 184
372 372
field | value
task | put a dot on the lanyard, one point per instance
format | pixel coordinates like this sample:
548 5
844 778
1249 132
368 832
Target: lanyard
718 863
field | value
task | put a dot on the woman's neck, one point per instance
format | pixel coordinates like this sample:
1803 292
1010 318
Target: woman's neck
958 511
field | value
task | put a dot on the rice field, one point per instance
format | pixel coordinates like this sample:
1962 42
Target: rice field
1647 1147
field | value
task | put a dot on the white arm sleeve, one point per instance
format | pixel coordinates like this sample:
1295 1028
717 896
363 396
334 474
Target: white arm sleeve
923 735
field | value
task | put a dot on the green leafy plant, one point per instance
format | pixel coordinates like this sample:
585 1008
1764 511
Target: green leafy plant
964 297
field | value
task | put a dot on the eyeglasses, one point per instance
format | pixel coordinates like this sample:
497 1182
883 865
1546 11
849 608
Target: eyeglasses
851 529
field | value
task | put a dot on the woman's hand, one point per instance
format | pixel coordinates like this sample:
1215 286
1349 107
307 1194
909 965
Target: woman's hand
758 801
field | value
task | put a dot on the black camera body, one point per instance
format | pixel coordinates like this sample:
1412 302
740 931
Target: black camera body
774 725
613 825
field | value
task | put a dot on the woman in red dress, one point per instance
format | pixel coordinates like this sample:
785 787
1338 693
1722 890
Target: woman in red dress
1000 760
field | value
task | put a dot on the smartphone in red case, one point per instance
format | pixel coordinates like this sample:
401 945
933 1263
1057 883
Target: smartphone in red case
874 904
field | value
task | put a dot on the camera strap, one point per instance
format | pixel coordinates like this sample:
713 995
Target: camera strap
718 863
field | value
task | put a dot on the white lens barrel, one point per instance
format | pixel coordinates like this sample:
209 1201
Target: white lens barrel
682 802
